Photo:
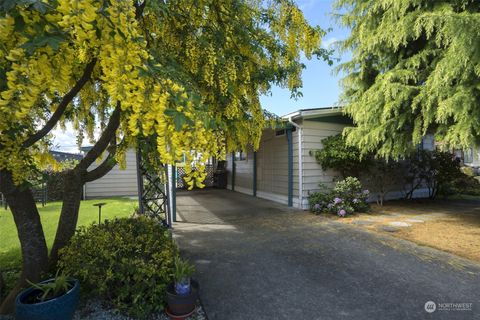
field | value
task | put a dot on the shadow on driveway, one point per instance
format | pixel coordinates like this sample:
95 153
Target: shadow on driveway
257 259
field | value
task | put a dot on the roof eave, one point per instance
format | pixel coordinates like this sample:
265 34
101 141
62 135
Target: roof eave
312 113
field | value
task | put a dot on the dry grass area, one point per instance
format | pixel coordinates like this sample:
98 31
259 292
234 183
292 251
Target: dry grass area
452 226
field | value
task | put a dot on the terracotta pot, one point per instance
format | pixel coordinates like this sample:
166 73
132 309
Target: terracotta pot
181 305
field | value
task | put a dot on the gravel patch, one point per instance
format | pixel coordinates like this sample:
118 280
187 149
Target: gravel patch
94 310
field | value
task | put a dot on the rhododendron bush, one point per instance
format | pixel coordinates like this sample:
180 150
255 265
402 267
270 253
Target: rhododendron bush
345 198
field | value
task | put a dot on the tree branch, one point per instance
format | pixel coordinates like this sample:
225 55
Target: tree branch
105 139
105 166
61 107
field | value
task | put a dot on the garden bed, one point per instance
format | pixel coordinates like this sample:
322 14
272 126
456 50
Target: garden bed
94 310
452 226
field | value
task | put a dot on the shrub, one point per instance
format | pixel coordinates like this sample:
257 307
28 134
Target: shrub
351 192
469 171
345 198
438 171
466 184
319 201
337 155
128 262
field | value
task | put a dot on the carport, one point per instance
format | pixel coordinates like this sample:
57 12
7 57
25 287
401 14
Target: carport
257 259
221 206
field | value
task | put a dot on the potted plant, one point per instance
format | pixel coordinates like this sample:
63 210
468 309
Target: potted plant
182 294
55 298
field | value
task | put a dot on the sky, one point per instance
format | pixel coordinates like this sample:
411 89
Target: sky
320 84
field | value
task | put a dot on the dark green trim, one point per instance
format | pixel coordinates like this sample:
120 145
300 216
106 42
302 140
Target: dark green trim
290 167
254 173
174 193
233 171
333 119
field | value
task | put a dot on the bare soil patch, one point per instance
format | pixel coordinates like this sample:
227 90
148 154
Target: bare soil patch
452 226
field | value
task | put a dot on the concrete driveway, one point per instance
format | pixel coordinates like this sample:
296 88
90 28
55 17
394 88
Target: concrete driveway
257 259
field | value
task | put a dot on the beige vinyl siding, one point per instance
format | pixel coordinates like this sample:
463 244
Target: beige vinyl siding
272 168
313 133
272 164
117 182
244 172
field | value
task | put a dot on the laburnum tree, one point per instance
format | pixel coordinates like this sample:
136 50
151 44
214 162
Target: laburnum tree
186 73
415 69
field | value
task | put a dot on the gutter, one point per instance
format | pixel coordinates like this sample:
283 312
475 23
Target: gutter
300 162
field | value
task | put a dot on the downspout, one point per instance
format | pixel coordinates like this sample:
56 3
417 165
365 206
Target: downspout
300 162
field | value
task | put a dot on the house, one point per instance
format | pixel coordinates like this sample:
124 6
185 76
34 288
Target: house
61 156
116 183
282 168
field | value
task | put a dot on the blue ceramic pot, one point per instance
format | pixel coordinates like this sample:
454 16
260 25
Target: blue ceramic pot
62 307
182 287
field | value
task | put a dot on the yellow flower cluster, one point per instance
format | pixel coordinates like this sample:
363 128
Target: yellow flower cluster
214 60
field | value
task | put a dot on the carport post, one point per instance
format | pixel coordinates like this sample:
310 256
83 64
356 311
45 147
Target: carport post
174 193
254 173
233 171
290 167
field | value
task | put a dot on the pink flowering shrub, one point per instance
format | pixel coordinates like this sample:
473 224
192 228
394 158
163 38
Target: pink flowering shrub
345 198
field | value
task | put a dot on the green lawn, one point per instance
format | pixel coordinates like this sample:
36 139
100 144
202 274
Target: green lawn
10 246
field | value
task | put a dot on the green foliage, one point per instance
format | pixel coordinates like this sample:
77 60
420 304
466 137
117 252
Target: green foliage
345 198
128 262
383 177
379 174
336 155
53 289
319 201
442 171
183 269
436 170
469 171
466 185
414 69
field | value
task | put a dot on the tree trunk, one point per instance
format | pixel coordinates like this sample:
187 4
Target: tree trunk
30 233
72 192
73 183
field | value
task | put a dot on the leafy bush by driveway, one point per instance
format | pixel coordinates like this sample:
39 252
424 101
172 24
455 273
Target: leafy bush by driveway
128 262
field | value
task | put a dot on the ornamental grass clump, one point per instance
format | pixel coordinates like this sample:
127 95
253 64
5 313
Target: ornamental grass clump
345 198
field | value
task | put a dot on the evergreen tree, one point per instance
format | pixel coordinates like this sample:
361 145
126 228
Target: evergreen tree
415 69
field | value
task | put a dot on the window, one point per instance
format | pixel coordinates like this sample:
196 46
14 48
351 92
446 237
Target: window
240 156
427 143
468 155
